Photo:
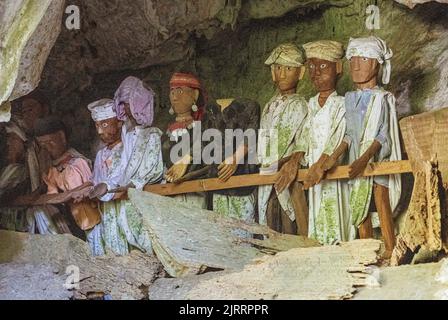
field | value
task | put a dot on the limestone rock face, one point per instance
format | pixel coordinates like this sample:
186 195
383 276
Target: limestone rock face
225 42
37 49
55 258
28 31
412 3
32 282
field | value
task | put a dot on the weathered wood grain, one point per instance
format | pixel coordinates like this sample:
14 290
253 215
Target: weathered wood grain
189 242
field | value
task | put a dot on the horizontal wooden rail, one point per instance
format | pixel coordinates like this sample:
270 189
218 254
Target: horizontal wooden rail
374 169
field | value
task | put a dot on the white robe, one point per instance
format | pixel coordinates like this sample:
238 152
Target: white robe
362 188
140 163
329 216
281 125
142 156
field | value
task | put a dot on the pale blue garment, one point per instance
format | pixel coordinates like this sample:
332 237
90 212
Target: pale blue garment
40 218
356 104
95 240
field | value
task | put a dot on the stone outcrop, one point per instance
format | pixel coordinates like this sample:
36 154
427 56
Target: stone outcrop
28 31
331 272
412 3
123 278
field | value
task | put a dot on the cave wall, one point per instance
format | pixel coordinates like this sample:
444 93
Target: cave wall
227 46
28 30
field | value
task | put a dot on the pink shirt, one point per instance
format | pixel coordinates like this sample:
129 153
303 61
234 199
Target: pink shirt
68 175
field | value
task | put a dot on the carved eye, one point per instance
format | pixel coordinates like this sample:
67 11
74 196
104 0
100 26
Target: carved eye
365 59
104 125
312 66
323 65
289 68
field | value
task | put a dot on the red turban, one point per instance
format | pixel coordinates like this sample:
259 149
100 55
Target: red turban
188 80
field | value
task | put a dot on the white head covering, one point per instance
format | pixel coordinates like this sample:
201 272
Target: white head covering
374 48
102 110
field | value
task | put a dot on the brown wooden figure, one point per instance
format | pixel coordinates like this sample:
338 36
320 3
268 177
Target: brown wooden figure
283 208
372 135
69 171
329 220
188 100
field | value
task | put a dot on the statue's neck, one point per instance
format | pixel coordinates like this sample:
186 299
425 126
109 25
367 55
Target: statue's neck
184 117
114 144
368 85
288 92
324 95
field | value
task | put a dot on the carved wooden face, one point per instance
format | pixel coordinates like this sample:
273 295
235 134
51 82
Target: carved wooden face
15 149
31 110
109 131
324 74
55 144
183 98
364 69
287 78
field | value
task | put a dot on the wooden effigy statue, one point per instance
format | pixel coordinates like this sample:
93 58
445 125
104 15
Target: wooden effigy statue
323 133
70 170
372 136
237 121
283 208
188 100
140 164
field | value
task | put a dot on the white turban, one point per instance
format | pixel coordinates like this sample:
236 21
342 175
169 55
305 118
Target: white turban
102 110
374 48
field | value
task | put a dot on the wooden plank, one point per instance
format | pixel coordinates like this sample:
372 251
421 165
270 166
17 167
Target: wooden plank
188 240
374 169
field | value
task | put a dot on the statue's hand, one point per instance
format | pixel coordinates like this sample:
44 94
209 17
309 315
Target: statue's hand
329 164
227 169
287 176
315 176
358 167
176 172
80 195
98 191
59 198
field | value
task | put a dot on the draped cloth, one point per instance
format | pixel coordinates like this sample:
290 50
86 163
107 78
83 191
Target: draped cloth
140 99
362 188
282 122
36 163
329 220
373 48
